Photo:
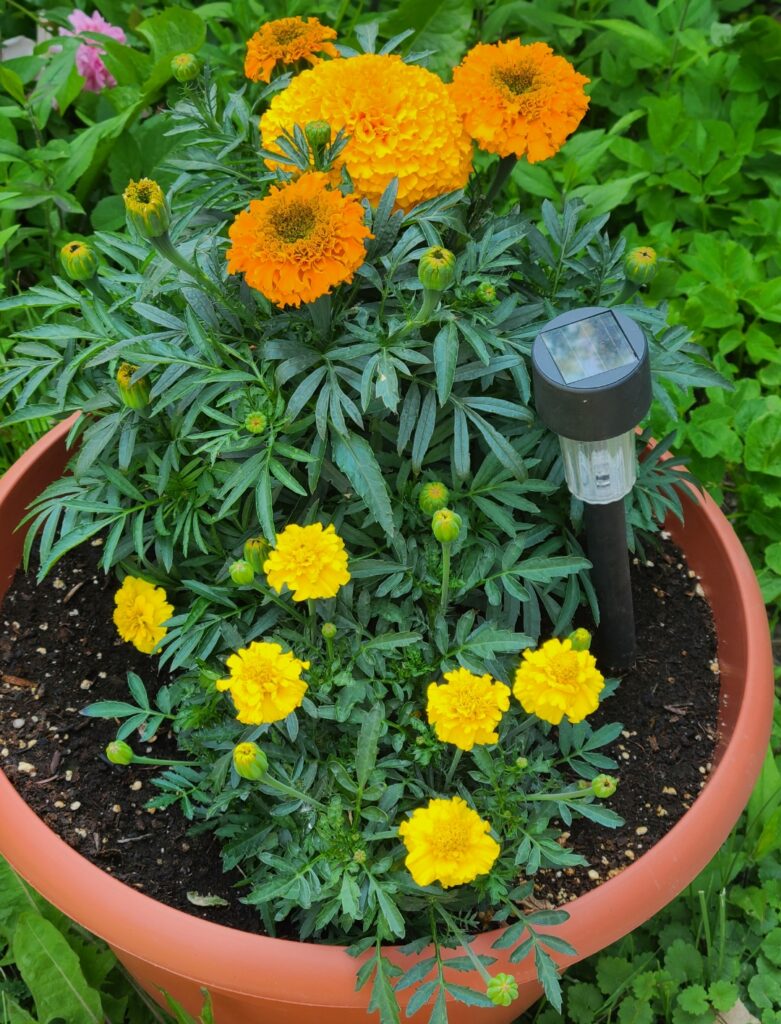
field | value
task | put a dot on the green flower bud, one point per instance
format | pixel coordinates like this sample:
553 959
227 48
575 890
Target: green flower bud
580 639
486 293
502 989
359 856
146 207
446 525
119 752
256 551
437 268
255 422
640 264
433 497
604 786
318 134
185 67
328 630
135 395
242 573
249 761
522 763
79 260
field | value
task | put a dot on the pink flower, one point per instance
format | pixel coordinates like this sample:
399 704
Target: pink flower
88 63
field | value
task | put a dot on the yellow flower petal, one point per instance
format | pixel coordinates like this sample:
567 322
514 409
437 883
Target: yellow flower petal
554 681
448 842
309 560
141 609
467 708
265 683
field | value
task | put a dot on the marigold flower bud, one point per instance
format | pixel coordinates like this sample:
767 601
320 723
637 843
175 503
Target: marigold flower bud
328 630
241 572
185 67
433 496
502 989
119 752
79 260
256 551
580 639
249 761
522 763
486 292
640 265
255 422
318 134
134 394
446 525
437 268
359 856
604 786
146 207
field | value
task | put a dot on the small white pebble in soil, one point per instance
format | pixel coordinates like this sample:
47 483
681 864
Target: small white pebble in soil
701 769
5 752
669 791
18 723
75 805
69 776
151 810
26 767
593 875
58 803
692 574
665 534
40 650
58 584
629 854
185 847
99 655
43 626
625 755
650 564
159 861
81 832
85 684
641 830
33 718
714 667
98 542
627 735
31 743
661 812
116 808
135 786
699 591
73 612
101 675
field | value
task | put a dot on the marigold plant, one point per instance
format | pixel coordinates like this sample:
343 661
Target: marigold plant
303 398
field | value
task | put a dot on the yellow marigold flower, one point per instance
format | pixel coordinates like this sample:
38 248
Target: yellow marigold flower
309 560
299 242
400 118
146 207
287 41
467 708
447 842
265 682
519 99
556 680
141 609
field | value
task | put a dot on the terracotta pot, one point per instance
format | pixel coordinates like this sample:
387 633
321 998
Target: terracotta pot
258 980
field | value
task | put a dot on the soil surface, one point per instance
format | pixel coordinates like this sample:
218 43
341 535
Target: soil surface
59 651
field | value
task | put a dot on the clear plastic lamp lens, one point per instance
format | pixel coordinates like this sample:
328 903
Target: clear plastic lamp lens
600 472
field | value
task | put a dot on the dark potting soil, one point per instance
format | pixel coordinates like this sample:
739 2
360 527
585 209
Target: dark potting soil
59 651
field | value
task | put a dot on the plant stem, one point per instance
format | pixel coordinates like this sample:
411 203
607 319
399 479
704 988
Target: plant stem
445 593
453 765
164 761
430 300
278 601
312 620
282 787
166 248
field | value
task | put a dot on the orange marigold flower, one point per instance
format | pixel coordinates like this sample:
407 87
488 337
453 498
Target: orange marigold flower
286 41
400 118
299 242
519 99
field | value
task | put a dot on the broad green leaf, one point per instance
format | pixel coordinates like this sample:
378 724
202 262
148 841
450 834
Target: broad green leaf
354 457
368 740
438 25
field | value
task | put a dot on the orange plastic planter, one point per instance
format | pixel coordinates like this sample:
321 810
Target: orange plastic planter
258 980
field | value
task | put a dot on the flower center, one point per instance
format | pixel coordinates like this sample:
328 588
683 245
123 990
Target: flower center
517 79
450 839
564 670
287 33
293 222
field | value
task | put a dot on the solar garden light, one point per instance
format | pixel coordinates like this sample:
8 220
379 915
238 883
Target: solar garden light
592 386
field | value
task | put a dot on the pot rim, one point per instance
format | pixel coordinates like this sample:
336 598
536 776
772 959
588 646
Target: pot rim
228 959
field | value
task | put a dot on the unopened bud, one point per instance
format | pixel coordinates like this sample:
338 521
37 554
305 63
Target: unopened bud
185 67
146 207
433 496
119 752
79 261
640 265
437 268
328 630
359 856
446 525
580 639
256 551
318 134
522 763
255 422
604 786
134 394
502 989
242 573
486 293
249 761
